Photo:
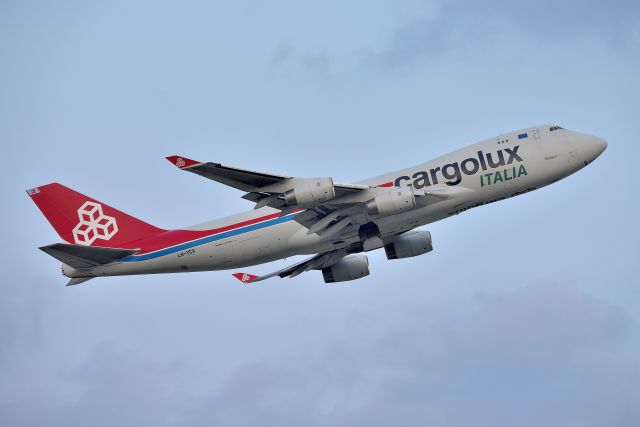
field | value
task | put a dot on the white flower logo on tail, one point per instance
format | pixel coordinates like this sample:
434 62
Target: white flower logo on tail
94 224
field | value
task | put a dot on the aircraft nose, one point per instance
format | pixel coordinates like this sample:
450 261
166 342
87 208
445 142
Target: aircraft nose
592 147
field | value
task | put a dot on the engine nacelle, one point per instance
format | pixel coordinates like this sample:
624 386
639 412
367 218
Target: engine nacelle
392 202
310 192
410 244
349 268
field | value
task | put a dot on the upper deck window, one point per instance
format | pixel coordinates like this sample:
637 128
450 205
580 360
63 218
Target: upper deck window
552 128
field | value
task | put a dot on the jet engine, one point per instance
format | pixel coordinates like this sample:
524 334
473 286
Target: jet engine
310 192
392 202
409 244
348 268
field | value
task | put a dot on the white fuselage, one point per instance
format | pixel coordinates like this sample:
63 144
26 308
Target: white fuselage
507 166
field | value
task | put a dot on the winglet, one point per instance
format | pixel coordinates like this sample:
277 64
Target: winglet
182 162
245 277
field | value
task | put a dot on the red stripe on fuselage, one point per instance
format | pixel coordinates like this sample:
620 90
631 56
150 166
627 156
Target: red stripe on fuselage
386 184
176 237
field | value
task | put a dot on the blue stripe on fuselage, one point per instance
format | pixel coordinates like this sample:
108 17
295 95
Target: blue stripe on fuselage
207 239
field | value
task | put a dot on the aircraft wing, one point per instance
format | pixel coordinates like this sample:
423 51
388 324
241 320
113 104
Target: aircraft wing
316 262
246 179
268 189
329 217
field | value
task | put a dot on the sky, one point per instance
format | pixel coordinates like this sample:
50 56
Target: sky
526 313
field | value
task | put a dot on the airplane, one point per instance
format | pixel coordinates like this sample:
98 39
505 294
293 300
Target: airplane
335 223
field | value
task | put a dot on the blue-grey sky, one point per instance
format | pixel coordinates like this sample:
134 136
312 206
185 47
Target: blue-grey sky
527 312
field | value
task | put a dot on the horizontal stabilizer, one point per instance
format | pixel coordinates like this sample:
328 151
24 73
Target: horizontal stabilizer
80 256
78 280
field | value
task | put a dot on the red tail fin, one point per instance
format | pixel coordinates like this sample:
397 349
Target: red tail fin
82 220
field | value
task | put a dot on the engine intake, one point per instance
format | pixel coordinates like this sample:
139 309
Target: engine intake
310 192
349 268
408 245
392 202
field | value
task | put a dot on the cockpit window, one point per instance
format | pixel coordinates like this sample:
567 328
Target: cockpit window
552 128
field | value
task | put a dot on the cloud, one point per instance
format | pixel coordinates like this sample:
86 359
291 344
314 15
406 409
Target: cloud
410 42
544 354
541 354
317 62
123 388
466 25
